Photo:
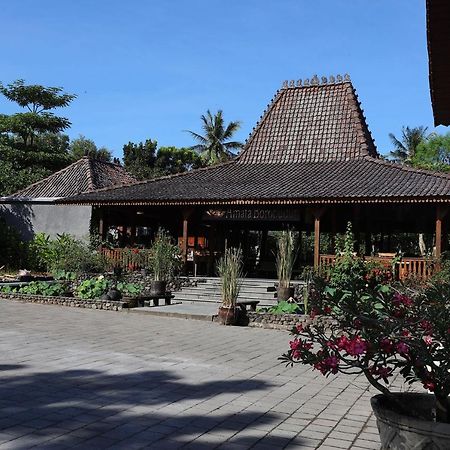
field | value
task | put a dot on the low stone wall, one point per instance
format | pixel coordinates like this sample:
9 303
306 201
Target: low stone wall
275 321
71 301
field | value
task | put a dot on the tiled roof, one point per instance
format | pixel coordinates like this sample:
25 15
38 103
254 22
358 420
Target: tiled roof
312 145
363 179
311 121
83 175
438 34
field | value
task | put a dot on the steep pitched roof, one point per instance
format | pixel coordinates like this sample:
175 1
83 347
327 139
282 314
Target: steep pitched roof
312 145
311 121
83 175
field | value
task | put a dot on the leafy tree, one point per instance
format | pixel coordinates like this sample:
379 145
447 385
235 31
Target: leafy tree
139 159
31 143
38 101
406 146
82 146
214 145
433 153
171 160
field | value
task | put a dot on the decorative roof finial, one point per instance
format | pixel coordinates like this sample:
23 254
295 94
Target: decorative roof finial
332 79
285 84
339 78
292 84
306 82
324 80
299 82
347 77
315 80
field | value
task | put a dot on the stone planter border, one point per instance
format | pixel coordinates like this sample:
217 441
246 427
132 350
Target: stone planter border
273 321
74 302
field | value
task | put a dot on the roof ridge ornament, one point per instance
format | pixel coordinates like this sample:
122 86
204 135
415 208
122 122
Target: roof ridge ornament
315 80
339 78
347 77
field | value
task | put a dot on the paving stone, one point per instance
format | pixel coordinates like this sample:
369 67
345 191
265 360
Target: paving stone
94 379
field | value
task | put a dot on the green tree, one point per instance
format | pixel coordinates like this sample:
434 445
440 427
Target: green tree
214 145
139 159
171 160
433 153
38 102
406 146
81 146
32 145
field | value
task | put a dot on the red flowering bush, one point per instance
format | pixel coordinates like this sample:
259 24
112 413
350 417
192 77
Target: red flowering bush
379 332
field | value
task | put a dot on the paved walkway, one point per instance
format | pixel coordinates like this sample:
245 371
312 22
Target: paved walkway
95 379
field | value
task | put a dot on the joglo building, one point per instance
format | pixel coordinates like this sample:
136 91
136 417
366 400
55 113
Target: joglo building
309 165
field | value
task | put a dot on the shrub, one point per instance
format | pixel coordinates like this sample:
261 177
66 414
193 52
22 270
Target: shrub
165 258
12 248
38 288
285 307
92 288
376 331
130 289
65 253
229 269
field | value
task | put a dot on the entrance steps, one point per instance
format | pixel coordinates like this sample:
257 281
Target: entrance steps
207 290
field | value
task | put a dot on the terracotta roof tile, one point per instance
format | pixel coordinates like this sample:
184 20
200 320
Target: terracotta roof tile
83 175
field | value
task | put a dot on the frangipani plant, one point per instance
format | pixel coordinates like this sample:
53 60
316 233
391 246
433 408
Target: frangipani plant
378 332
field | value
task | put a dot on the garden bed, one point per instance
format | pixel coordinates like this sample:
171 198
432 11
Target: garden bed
74 302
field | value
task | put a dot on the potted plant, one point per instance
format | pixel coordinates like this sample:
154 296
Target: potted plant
229 269
380 331
164 259
285 259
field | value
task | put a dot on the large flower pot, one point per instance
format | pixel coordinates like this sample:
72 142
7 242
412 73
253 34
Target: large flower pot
228 316
158 288
285 293
409 428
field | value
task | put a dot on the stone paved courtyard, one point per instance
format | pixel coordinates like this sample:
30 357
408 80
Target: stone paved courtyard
73 378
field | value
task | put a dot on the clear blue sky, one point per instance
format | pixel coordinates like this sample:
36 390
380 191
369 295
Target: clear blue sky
149 69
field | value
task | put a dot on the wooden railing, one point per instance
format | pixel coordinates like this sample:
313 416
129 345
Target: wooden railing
421 269
128 258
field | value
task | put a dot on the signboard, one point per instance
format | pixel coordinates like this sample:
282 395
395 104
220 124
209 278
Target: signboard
253 214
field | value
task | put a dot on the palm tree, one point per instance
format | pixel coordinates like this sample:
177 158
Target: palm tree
405 147
215 145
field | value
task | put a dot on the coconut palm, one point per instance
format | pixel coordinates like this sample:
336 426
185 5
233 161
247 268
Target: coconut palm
214 145
405 148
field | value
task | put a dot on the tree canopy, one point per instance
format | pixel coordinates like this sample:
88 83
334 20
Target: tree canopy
214 145
81 146
405 147
433 153
144 161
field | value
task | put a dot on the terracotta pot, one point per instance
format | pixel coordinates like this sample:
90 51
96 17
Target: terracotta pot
158 288
284 294
401 431
228 316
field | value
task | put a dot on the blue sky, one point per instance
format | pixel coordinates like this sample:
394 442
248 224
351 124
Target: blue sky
149 69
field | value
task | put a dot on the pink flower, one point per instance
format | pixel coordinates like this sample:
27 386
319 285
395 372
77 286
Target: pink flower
429 385
428 340
342 342
402 348
387 346
299 328
356 346
400 299
426 326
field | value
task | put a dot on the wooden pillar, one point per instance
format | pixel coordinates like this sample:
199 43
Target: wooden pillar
184 246
316 241
441 212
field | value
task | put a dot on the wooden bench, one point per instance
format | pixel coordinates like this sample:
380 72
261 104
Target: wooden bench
251 303
148 299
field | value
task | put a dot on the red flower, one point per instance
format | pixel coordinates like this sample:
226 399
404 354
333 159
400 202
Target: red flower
387 346
429 385
356 346
428 340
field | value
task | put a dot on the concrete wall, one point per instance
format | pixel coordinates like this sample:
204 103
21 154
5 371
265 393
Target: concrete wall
32 218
